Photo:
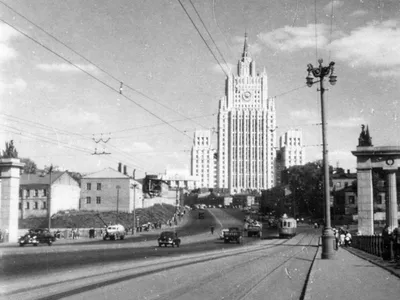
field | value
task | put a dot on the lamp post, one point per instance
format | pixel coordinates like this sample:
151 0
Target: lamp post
49 198
116 218
134 208
321 72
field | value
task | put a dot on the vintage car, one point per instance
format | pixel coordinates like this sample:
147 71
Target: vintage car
169 238
114 232
37 236
221 235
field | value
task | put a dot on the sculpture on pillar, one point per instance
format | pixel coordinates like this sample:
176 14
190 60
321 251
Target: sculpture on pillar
364 139
10 151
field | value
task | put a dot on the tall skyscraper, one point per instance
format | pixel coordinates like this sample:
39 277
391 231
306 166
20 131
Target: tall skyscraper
203 159
246 130
291 147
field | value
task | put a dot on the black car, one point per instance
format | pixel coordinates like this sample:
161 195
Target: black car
37 236
169 238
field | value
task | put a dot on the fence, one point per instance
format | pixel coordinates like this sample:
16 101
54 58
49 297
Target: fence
374 245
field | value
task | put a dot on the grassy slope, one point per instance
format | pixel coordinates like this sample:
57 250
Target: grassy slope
87 219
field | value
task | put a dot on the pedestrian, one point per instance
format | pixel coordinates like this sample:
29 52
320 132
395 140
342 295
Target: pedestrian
396 244
347 239
212 229
342 237
386 236
336 234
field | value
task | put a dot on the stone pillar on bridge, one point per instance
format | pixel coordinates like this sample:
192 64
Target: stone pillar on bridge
10 174
365 201
386 158
391 203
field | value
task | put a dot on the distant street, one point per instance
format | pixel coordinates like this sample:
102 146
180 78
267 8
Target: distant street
136 268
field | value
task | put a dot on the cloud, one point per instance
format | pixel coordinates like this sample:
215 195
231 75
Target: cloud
335 3
348 123
385 73
358 13
295 38
6 51
304 114
375 45
18 84
138 147
79 116
64 67
216 68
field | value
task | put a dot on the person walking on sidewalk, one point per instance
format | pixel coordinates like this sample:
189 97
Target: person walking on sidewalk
396 244
212 229
386 236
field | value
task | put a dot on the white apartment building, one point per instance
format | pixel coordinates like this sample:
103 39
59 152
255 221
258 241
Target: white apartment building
291 147
202 165
246 130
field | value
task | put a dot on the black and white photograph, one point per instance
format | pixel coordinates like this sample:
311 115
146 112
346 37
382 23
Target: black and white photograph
199 149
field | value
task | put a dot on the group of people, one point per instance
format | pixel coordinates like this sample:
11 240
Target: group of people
391 237
342 237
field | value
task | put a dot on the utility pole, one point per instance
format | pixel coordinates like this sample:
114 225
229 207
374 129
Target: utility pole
49 198
116 218
321 72
134 208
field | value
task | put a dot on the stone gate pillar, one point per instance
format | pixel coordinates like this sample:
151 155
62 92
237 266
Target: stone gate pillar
10 173
391 203
365 201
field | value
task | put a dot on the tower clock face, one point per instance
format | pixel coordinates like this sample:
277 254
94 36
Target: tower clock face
246 96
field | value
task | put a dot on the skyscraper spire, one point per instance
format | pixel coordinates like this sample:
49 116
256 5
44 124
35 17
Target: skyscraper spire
245 47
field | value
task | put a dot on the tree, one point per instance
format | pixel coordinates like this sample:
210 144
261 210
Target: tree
307 186
30 166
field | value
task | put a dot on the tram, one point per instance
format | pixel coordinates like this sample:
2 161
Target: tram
287 227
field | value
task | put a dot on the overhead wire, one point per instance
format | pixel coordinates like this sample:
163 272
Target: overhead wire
51 128
94 77
220 30
205 42
331 30
209 34
316 31
122 84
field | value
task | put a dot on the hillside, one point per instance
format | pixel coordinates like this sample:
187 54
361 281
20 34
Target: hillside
87 219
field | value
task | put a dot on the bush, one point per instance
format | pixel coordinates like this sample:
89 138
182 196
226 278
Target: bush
87 219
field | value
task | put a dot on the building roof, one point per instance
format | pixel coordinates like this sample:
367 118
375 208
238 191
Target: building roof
39 178
344 176
106 173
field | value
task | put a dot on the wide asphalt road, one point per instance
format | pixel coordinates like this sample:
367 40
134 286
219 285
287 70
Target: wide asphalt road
136 268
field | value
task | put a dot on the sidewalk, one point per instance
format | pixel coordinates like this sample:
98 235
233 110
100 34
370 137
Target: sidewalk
138 237
353 274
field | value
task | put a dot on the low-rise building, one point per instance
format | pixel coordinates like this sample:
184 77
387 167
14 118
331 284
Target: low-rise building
110 190
34 193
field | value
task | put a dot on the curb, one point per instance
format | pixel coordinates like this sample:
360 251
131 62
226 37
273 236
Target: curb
373 261
305 294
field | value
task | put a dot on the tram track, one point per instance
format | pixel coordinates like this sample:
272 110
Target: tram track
124 274
249 283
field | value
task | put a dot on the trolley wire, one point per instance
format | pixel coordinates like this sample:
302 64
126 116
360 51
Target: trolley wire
209 34
94 77
205 42
122 84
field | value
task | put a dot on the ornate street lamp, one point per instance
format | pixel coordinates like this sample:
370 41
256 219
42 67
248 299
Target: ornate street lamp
321 72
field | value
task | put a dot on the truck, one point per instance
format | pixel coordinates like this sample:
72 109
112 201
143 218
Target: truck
227 201
254 229
234 234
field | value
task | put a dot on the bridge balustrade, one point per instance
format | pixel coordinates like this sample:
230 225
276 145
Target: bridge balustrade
374 245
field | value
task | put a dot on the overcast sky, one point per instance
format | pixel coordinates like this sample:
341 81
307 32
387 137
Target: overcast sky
53 110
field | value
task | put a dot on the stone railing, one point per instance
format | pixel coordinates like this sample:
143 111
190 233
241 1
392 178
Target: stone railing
374 245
